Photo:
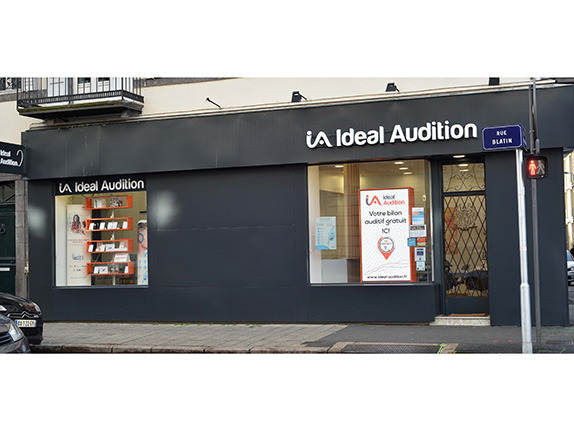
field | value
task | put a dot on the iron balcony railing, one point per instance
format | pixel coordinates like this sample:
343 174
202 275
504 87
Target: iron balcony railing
36 92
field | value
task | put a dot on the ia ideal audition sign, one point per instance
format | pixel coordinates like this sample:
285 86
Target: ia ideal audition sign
385 253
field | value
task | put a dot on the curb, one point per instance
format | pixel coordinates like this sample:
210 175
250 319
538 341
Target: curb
108 348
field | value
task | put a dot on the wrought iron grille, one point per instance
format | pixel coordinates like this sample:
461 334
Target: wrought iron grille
465 239
464 177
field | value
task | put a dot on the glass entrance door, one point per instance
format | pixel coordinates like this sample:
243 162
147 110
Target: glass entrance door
465 241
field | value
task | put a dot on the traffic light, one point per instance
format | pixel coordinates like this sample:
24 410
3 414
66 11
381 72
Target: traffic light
536 167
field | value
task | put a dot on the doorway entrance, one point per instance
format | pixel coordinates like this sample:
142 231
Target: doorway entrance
465 241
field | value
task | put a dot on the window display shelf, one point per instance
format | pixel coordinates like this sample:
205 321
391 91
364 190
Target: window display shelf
103 224
110 268
110 246
109 202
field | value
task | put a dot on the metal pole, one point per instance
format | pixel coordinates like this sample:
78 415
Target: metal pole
524 287
535 149
536 264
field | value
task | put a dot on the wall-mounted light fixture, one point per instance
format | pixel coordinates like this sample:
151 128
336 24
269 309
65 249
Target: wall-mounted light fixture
493 81
296 97
391 87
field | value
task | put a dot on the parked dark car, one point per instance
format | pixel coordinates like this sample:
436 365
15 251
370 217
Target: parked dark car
12 339
26 314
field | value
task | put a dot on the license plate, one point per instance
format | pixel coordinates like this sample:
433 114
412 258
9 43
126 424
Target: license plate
26 323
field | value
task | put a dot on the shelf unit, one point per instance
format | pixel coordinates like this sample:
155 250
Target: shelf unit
120 220
121 201
94 268
112 267
97 243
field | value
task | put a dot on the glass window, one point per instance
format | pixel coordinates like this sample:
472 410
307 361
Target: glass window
463 177
9 83
101 239
370 222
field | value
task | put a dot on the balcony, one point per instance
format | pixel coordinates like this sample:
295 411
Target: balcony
65 98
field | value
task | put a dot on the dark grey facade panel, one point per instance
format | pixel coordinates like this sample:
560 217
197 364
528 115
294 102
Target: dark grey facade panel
503 250
73 152
502 225
41 276
552 240
373 303
100 304
235 227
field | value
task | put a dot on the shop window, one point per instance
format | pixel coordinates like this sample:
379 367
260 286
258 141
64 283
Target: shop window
101 239
370 222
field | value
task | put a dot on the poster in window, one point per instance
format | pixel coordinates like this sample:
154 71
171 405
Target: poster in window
77 236
326 234
385 216
142 253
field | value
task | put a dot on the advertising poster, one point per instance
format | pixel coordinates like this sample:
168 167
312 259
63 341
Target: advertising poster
418 215
417 231
385 252
142 253
326 233
77 236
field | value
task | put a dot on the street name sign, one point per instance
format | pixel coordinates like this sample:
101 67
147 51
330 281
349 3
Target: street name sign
503 137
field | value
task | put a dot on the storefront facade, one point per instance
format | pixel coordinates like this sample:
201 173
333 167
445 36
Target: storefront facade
361 211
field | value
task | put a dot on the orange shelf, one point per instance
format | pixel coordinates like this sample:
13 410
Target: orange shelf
96 243
119 220
111 266
107 202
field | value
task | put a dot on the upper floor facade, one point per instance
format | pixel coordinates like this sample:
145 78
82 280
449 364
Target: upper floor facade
32 102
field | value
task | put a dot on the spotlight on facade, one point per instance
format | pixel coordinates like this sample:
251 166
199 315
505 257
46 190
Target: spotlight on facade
296 97
391 87
493 81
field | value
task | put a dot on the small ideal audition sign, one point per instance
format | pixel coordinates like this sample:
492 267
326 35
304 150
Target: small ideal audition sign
12 159
385 231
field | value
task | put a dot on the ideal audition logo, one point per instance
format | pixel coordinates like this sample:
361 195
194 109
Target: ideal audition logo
431 131
374 200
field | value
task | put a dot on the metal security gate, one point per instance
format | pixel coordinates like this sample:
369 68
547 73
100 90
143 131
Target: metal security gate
465 240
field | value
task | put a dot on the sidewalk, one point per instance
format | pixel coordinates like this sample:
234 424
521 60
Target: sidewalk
70 337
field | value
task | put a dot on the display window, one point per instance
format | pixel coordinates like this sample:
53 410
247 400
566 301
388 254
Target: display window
101 239
370 222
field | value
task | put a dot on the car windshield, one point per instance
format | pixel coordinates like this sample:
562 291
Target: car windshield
569 257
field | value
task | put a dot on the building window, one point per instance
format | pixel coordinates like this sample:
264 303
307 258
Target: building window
84 85
7 193
101 239
370 222
9 83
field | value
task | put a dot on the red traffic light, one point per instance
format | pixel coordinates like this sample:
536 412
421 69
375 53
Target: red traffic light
536 167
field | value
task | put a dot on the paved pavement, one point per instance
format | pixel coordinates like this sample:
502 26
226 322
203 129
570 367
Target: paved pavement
74 337
69 337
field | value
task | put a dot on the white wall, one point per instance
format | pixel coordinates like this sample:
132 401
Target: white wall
12 124
243 92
